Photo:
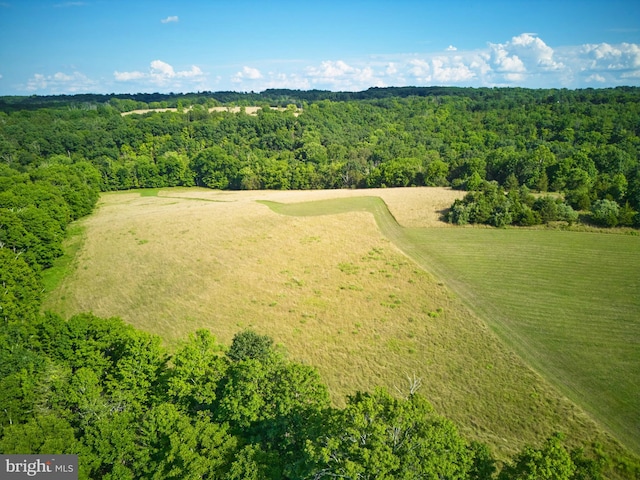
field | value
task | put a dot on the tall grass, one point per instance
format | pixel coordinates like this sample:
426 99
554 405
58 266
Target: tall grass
326 283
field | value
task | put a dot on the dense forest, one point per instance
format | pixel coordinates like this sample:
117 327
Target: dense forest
116 397
581 143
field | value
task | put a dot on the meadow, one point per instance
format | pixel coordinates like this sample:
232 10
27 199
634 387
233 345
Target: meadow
513 333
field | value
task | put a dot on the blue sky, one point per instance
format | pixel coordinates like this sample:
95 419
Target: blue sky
120 46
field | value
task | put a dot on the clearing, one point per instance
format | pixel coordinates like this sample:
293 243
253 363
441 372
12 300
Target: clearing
349 293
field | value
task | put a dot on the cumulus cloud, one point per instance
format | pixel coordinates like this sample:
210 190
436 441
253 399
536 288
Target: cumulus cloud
603 63
128 76
525 57
61 82
162 69
247 73
162 74
451 48
442 70
524 60
329 71
451 70
340 75
420 69
275 80
535 51
596 78
170 19
609 57
330 74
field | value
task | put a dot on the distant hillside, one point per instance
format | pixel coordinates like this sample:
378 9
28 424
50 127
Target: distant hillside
283 97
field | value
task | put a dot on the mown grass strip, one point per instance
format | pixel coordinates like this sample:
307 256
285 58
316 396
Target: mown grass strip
62 266
567 302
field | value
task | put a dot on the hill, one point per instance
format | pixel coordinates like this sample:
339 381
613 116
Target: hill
336 292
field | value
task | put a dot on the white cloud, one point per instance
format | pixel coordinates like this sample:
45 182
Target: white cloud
339 75
451 70
451 48
281 80
162 74
60 82
170 19
534 50
420 69
444 69
504 62
329 71
524 60
128 76
608 57
160 69
194 72
633 75
596 78
247 73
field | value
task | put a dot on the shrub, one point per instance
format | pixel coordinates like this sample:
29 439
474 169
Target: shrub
547 208
249 344
566 213
605 212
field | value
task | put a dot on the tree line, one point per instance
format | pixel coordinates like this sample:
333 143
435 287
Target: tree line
583 144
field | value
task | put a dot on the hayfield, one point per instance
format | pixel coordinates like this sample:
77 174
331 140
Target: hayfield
350 293
568 302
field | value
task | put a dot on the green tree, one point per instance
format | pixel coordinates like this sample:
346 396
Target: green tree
198 366
113 447
436 173
46 433
401 172
550 462
253 463
214 168
250 345
605 213
184 447
547 208
20 295
378 436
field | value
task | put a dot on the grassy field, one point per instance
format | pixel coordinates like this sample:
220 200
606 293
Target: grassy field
350 294
568 302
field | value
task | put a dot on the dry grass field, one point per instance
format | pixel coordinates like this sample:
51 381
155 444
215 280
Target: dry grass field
331 289
247 110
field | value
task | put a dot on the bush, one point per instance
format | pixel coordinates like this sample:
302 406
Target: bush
627 216
566 213
605 212
547 208
249 344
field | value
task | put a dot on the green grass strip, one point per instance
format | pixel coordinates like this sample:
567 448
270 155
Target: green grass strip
567 302
63 265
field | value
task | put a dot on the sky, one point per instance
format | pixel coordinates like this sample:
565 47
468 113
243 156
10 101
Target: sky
144 46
